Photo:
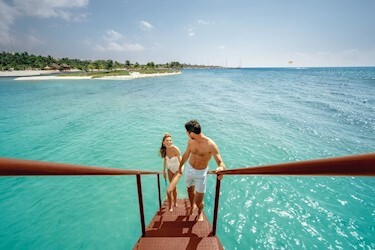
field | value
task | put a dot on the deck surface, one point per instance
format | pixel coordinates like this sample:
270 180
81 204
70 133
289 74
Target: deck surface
178 230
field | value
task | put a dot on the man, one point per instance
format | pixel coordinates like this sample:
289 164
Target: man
200 149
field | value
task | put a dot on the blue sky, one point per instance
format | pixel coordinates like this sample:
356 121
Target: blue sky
263 33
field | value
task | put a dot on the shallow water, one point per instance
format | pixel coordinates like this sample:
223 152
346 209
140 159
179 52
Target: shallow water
256 116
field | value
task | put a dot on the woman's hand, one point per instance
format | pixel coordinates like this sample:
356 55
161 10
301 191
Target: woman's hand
164 175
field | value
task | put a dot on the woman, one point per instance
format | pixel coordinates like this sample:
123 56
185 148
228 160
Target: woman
172 158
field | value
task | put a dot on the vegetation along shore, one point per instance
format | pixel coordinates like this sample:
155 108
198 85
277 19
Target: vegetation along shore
24 65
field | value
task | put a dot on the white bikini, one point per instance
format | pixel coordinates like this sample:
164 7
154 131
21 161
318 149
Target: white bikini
172 163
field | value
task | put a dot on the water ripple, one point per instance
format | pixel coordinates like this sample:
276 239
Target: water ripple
256 116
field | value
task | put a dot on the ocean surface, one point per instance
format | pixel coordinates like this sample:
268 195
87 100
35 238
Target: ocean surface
256 116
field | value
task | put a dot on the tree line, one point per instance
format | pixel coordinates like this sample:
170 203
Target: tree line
25 61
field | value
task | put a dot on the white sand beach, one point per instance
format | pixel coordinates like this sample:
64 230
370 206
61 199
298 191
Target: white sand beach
16 73
133 75
39 78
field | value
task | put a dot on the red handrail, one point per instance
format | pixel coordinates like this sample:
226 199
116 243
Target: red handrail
354 165
16 167
140 198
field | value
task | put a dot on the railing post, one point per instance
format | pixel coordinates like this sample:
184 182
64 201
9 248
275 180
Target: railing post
159 190
217 195
140 200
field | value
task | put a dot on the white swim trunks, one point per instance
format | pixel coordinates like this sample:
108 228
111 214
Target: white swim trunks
195 177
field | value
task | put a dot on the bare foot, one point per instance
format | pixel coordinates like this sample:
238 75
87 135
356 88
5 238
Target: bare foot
175 205
171 210
200 217
191 211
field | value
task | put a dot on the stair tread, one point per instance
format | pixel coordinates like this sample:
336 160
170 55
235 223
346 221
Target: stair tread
163 243
183 208
178 229
179 232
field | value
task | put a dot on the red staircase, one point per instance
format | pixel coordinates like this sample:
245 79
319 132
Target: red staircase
178 230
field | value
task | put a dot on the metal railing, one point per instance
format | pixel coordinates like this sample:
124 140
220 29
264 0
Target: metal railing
15 167
355 165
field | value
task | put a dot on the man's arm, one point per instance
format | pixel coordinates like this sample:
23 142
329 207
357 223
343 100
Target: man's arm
218 159
184 157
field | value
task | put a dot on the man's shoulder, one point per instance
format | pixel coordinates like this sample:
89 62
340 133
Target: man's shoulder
210 141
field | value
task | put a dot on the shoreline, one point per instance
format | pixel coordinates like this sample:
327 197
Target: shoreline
23 76
17 73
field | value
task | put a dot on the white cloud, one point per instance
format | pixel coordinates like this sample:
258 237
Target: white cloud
113 35
221 47
156 45
204 22
146 25
115 42
191 32
87 41
7 17
113 46
133 47
349 57
324 53
65 9
194 26
350 54
302 54
32 40
7 13
357 57
80 17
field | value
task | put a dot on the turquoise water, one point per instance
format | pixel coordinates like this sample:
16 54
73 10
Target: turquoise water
256 116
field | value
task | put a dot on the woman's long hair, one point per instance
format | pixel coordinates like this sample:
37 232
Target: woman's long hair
163 149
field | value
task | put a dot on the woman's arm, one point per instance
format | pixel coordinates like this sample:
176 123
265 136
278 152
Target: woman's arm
164 168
